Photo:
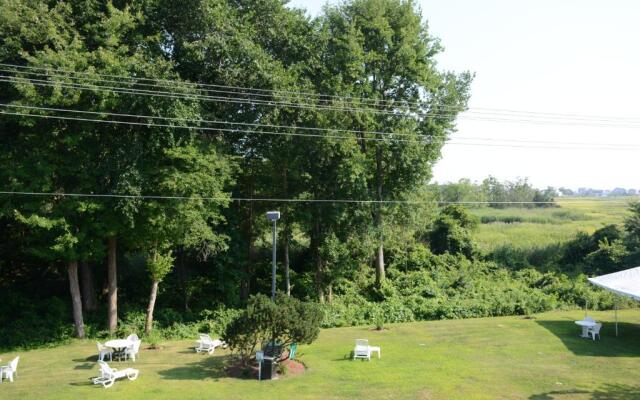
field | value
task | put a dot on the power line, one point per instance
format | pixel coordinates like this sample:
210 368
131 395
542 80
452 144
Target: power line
260 92
200 128
173 95
248 92
287 200
222 99
237 89
417 138
218 122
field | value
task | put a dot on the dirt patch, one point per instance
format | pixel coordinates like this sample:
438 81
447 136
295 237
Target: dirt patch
288 367
293 367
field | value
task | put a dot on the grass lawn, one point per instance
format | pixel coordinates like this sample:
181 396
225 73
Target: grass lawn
491 358
542 227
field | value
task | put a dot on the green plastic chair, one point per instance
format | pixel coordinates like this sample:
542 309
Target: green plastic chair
292 350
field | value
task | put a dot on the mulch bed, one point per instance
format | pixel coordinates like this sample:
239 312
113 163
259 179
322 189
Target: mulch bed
293 367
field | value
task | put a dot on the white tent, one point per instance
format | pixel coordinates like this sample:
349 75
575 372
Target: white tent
624 283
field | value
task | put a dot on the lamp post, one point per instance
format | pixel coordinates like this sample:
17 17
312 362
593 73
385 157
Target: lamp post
273 216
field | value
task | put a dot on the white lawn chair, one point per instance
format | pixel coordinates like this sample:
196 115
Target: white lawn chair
589 319
362 349
10 370
133 350
206 344
109 375
104 351
595 331
133 337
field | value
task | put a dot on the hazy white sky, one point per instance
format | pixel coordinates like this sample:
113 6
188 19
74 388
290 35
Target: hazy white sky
559 56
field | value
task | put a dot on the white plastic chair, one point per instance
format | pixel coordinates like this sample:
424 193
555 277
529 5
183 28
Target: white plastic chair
362 349
104 351
595 331
133 350
10 370
109 375
206 344
133 337
589 319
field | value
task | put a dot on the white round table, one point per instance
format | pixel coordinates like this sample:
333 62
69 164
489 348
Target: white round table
585 326
118 346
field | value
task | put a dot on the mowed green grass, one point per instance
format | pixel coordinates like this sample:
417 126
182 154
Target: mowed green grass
548 226
491 358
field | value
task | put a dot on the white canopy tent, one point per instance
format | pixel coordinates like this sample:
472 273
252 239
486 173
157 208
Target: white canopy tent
624 283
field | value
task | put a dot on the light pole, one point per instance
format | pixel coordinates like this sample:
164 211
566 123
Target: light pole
273 216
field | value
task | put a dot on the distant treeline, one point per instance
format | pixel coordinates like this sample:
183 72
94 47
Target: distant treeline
518 193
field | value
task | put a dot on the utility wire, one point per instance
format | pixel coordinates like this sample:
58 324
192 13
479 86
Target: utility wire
218 122
269 103
236 89
391 136
251 91
38 82
286 200
354 138
456 110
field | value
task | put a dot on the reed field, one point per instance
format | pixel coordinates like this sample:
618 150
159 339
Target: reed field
530 228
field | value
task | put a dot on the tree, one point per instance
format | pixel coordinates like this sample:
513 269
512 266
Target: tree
380 50
451 232
80 156
159 265
632 222
285 321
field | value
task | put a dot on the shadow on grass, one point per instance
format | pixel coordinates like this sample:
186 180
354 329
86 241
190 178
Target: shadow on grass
88 359
85 366
206 368
88 382
627 344
607 392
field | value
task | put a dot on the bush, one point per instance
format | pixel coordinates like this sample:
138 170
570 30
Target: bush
284 321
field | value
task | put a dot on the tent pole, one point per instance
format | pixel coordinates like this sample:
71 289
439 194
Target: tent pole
586 305
616 307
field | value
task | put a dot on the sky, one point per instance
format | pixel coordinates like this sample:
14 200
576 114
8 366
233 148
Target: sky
551 56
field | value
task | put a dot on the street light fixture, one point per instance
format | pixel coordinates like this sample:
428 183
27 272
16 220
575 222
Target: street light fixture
273 216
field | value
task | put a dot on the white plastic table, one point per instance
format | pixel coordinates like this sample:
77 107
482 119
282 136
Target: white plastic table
376 349
118 346
585 326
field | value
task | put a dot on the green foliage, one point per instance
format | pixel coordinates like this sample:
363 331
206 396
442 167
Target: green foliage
632 222
451 232
609 257
159 264
285 321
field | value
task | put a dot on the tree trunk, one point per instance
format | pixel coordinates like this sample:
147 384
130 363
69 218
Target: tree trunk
74 288
183 274
286 263
112 297
287 234
152 303
330 293
315 251
379 262
245 285
89 302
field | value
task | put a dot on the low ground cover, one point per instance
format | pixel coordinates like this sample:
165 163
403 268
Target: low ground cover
509 357
527 228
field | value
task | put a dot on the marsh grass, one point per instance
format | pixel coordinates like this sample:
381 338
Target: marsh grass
532 229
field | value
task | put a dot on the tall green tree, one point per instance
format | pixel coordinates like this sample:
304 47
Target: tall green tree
381 51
